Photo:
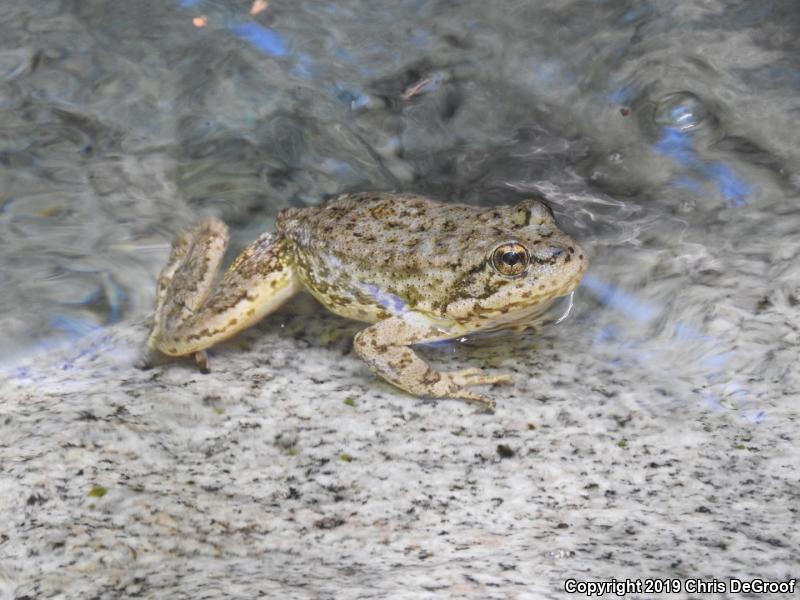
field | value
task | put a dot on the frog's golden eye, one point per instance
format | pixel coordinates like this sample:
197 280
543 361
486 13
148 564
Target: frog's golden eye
510 259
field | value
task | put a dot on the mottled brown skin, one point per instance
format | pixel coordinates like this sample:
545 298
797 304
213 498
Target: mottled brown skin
420 270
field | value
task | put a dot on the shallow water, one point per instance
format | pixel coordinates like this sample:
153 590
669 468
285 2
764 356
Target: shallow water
664 135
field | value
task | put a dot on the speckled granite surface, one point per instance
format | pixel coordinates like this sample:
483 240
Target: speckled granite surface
291 472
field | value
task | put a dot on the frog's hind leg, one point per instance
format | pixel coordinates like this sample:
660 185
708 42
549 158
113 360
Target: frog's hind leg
190 316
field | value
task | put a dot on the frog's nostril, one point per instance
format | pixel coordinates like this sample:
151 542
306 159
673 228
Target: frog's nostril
556 252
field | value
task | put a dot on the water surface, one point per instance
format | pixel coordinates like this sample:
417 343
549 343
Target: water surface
664 134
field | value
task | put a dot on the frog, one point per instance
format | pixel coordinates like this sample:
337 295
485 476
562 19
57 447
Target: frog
416 270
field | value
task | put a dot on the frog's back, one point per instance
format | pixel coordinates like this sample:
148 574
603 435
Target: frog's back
381 230
367 255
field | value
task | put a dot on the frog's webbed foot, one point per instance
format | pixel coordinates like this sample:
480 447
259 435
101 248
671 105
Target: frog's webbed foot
385 348
191 316
457 384
476 376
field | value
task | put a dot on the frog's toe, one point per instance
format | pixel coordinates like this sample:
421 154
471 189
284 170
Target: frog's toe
465 373
464 393
201 358
146 360
143 363
459 383
478 377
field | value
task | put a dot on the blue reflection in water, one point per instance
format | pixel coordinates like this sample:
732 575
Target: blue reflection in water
95 342
623 94
630 15
732 188
634 351
353 96
677 145
99 303
267 40
621 300
73 326
115 296
304 67
688 183
548 72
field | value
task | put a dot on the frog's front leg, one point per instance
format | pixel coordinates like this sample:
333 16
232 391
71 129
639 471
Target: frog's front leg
385 348
190 316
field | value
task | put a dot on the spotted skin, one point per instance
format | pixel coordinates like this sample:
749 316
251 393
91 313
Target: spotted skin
419 270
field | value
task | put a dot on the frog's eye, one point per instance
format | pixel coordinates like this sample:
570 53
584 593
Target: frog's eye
510 259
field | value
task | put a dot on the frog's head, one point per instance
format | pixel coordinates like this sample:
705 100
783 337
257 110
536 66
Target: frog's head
520 269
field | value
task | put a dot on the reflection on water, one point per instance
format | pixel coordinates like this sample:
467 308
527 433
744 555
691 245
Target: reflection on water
664 134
